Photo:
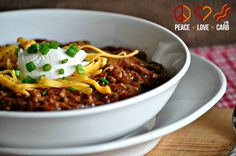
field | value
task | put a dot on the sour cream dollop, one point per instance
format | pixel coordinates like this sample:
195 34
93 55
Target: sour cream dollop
54 58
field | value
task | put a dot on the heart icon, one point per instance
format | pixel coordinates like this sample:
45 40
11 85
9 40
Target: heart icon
203 12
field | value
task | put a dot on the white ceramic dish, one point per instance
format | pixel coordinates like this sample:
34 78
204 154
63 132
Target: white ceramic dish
203 85
83 127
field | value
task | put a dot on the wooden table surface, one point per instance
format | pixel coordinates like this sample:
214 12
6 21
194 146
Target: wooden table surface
210 135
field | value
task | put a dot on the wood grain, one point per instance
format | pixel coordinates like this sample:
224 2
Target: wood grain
159 11
211 135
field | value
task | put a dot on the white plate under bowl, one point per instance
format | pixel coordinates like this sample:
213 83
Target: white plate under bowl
200 89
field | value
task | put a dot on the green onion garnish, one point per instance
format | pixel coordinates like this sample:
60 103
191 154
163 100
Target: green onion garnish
33 48
18 73
47 67
30 66
72 89
103 79
61 71
28 79
16 51
43 93
80 69
64 78
71 52
44 48
73 49
53 45
64 61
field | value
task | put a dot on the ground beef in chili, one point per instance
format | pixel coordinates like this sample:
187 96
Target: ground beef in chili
127 77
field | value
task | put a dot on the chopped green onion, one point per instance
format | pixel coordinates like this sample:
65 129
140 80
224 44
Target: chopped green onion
53 45
74 47
33 48
30 66
28 79
47 67
43 93
16 51
61 71
44 48
103 79
72 89
80 69
72 51
18 73
64 61
64 78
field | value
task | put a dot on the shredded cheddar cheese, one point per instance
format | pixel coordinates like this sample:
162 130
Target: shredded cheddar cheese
8 56
25 43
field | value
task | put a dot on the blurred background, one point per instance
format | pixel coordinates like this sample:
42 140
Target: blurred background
158 11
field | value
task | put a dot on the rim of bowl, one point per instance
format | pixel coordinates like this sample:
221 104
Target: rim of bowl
115 105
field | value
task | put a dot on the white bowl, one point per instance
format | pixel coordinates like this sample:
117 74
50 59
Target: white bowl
103 123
